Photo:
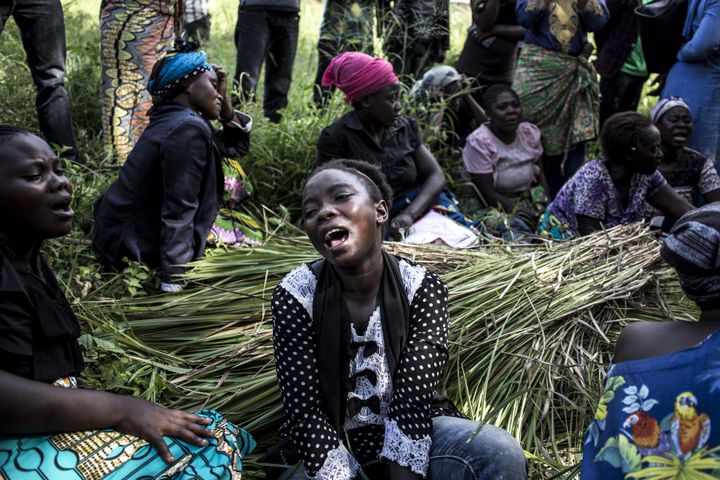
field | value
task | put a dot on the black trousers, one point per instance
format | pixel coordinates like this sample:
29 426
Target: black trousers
619 93
42 28
268 36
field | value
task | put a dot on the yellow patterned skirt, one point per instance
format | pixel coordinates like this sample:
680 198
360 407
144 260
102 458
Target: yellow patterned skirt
134 34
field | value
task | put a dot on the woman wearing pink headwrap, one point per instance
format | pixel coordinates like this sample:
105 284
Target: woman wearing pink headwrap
374 131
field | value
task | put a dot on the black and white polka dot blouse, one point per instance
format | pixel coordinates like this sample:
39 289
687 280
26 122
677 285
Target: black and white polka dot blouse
391 418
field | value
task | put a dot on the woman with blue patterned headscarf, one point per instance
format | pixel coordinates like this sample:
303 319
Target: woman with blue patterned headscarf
161 208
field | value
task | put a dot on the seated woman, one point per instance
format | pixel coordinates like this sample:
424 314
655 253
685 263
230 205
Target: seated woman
453 111
386 319
654 419
504 160
374 131
687 171
613 190
47 431
161 208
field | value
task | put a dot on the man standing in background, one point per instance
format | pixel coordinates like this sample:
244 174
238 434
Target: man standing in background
42 28
266 31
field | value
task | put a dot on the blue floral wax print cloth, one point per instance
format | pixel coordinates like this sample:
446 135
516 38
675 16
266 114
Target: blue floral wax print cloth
655 418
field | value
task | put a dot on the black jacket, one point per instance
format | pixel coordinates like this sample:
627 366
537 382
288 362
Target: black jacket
160 209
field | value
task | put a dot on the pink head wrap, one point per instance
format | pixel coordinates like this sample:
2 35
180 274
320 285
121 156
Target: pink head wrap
358 74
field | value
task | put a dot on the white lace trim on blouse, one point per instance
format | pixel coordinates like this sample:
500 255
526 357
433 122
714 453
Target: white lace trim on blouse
300 283
399 448
378 363
339 465
412 277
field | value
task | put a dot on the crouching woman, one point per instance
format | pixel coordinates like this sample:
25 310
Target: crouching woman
162 206
47 431
360 341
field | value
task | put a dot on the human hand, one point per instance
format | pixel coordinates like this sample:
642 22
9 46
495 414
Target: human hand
150 422
400 225
227 112
659 83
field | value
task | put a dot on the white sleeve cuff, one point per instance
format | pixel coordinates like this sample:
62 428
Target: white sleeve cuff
247 120
401 449
339 465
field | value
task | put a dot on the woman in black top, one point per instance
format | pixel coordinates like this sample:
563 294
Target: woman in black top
360 343
39 354
375 132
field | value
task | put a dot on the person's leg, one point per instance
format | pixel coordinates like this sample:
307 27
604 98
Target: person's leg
553 173
609 97
252 36
574 160
458 452
279 64
6 9
632 92
42 28
131 41
344 28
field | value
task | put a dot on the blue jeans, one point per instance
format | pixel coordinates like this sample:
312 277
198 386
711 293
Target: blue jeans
268 36
42 28
456 454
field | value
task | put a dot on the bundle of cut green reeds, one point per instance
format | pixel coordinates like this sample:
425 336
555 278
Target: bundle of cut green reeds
532 328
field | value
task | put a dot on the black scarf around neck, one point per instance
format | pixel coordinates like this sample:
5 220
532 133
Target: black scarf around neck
331 325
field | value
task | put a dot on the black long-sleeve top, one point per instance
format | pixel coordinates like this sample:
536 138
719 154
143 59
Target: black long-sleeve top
400 429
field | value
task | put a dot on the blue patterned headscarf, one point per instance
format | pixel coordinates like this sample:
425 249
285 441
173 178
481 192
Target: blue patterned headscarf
180 64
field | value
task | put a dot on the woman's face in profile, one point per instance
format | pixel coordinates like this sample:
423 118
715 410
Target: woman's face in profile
341 220
383 106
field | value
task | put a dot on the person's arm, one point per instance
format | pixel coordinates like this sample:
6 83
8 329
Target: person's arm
408 426
712 196
511 32
669 202
29 408
486 17
706 39
234 138
485 184
297 374
709 182
477 111
593 14
531 12
588 225
433 182
185 154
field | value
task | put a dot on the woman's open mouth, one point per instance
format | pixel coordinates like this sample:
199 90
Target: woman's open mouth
681 136
63 208
335 237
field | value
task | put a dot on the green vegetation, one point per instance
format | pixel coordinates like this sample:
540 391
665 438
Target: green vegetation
532 326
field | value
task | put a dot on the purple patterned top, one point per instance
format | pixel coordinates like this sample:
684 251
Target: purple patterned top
592 193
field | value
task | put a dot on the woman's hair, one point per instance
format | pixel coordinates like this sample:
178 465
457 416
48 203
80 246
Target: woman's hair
370 175
620 133
8 132
491 94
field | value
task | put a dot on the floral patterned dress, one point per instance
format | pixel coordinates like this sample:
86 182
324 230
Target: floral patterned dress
655 416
